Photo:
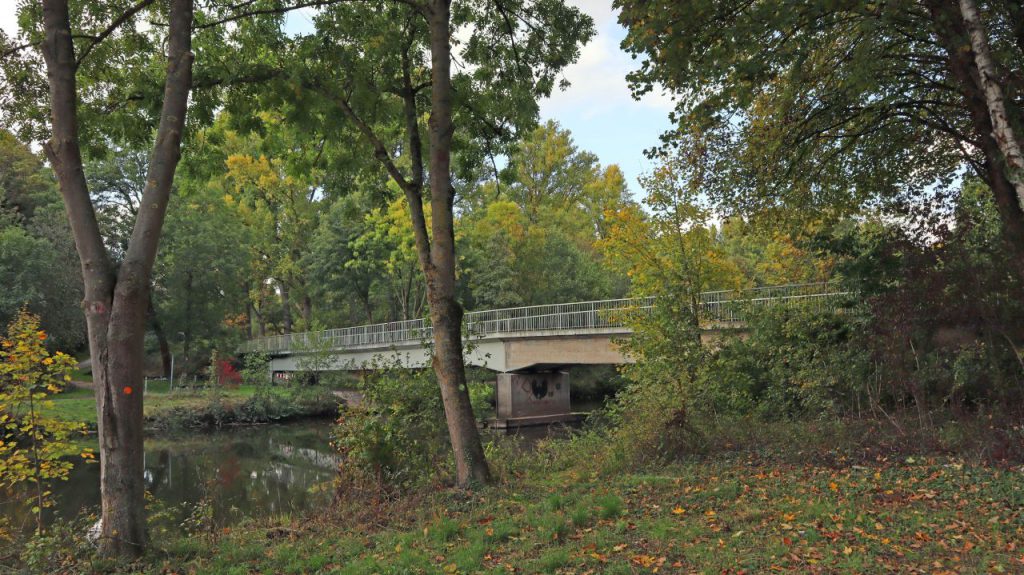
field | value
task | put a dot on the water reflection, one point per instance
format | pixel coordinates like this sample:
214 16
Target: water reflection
244 472
253 471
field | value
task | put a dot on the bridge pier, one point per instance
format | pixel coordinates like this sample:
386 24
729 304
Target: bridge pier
531 398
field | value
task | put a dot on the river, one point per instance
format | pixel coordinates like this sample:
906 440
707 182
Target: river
246 471
253 471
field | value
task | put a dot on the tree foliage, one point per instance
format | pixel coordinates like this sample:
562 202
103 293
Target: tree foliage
825 108
37 256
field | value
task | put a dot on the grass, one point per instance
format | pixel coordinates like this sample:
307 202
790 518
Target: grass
729 513
78 404
79 375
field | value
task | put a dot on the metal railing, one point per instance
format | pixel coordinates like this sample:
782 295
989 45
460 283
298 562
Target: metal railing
725 306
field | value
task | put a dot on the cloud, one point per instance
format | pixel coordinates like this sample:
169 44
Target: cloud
9 22
598 78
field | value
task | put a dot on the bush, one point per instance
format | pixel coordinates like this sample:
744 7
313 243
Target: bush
33 446
649 419
792 362
397 438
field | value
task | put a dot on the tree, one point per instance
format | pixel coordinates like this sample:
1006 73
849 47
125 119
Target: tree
530 234
830 107
115 299
990 79
345 280
547 168
282 211
197 273
388 245
382 61
768 257
37 257
671 252
80 107
24 184
116 180
272 177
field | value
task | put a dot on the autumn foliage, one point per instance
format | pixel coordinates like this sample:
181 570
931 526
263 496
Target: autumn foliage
33 446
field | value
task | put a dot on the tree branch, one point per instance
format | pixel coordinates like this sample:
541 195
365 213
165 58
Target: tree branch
65 154
117 23
380 151
142 247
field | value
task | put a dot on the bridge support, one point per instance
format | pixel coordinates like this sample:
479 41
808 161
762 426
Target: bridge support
535 398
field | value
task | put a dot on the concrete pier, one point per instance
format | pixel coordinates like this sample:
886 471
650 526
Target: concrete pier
531 398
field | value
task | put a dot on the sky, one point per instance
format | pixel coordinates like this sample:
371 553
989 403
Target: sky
597 108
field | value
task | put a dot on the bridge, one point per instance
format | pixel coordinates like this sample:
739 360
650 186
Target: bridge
529 347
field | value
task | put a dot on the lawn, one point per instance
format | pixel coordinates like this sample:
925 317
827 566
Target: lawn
79 404
729 514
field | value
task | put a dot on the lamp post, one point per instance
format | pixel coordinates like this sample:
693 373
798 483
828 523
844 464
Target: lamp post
170 380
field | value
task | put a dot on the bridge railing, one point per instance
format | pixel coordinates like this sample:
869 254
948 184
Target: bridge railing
564 316
724 306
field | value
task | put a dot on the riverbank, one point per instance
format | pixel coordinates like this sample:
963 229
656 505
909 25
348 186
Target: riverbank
183 409
737 509
724 515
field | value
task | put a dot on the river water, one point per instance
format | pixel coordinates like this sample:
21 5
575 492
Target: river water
247 471
253 471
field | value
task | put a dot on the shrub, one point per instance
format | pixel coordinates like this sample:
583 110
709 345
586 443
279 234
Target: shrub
649 419
794 361
397 438
33 446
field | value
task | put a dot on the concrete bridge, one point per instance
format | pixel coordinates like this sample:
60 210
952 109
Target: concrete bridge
529 347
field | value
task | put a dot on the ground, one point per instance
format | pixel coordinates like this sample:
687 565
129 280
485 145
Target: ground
727 514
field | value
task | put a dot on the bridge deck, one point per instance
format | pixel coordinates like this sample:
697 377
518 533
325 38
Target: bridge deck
502 334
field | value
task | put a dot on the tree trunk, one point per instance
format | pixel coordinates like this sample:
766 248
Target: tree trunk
250 313
307 311
988 75
115 306
445 311
186 335
286 308
250 319
437 254
953 35
161 337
